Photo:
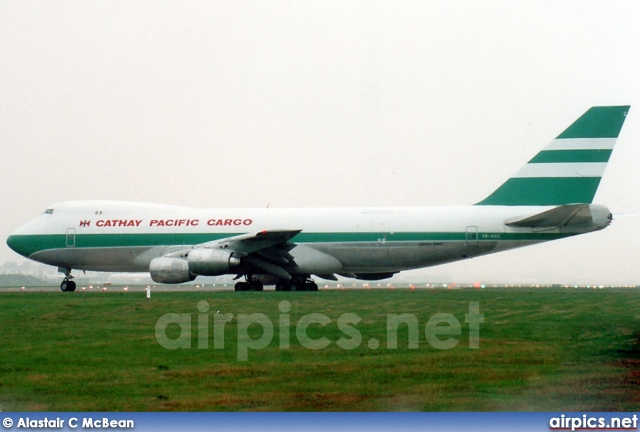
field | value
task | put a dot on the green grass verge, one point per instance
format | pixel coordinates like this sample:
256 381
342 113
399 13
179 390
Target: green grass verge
542 349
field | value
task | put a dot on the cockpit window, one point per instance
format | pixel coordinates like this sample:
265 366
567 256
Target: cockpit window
48 211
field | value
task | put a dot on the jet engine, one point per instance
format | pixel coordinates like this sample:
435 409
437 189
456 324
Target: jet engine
170 270
212 262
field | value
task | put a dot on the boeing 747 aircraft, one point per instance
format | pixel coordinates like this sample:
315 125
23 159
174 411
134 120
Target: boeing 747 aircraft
549 198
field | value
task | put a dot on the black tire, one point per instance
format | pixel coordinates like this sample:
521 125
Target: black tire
293 286
256 285
242 286
68 286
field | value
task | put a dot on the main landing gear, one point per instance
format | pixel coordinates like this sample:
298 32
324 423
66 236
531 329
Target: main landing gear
68 285
250 285
297 285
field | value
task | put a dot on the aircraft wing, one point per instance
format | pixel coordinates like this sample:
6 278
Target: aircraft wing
267 251
253 242
243 244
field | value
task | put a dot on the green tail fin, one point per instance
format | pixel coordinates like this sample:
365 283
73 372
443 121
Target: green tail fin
569 169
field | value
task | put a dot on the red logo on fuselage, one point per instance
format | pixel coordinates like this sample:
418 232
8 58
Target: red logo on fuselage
113 223
229 222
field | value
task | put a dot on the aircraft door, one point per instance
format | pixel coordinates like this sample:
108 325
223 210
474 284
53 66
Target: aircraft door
71 237
472 236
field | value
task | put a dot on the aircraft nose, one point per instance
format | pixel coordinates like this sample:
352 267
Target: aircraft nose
18 244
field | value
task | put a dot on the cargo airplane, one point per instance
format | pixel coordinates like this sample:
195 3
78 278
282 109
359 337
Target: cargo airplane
549 198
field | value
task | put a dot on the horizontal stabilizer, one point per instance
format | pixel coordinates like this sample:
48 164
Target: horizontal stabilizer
562 216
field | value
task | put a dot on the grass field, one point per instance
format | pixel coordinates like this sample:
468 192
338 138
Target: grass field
540 349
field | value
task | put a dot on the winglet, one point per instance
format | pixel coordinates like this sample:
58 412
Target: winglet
569 169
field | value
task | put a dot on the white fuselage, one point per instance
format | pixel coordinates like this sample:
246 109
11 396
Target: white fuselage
125 237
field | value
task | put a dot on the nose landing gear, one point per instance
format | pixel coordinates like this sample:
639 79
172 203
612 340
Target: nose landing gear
67 285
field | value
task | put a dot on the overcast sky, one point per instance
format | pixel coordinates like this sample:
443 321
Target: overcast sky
317 104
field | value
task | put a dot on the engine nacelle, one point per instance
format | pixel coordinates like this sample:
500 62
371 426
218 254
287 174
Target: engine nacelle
170 270
212 262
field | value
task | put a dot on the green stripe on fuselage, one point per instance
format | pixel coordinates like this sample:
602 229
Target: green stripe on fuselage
571 156
27 245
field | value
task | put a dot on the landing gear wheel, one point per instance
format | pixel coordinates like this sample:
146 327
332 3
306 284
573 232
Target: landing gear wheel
242 286
301 285
68 285
281 286
255 285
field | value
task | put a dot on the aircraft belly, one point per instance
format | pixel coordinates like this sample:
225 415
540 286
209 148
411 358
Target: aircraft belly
397 256
374 256
430 254
115 259
362 257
